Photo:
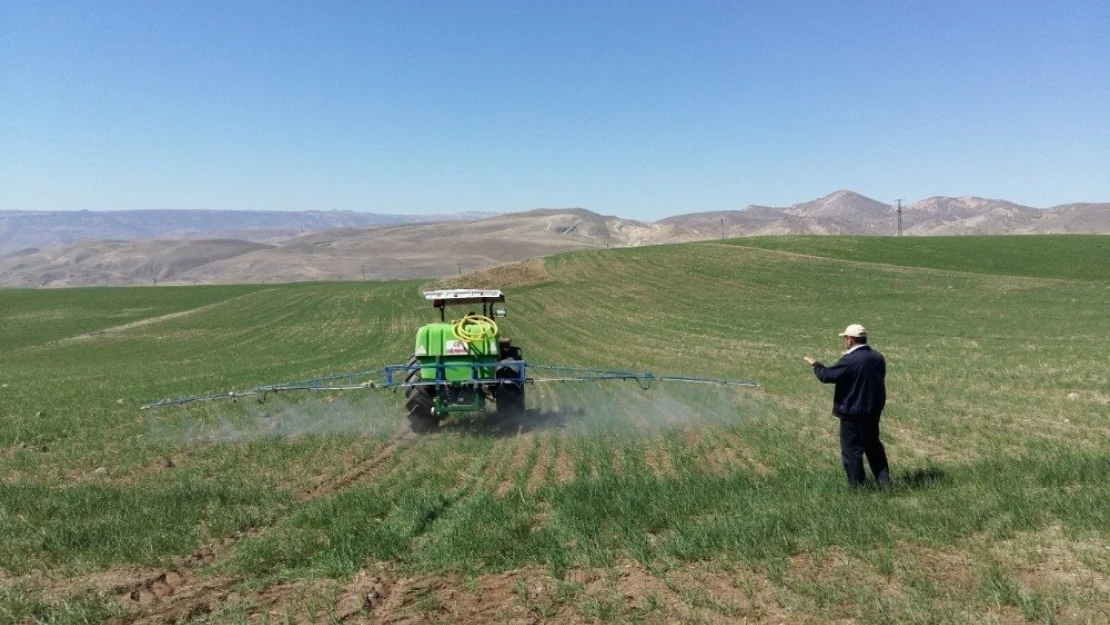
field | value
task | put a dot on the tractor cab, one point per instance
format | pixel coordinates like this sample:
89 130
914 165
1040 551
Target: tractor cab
468 297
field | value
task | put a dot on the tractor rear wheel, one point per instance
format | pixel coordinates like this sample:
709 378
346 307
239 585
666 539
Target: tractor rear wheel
510 395
419 402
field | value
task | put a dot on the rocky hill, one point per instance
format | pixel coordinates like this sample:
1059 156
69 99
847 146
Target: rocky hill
442 248
382 252
849 213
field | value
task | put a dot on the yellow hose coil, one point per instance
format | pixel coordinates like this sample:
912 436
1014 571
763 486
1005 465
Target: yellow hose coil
474 328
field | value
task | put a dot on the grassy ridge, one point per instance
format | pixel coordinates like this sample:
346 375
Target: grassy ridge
1070 257
997 426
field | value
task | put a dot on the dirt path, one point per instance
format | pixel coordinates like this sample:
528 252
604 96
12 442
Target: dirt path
131 325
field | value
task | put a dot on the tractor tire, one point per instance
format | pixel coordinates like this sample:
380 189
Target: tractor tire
510 395
419 402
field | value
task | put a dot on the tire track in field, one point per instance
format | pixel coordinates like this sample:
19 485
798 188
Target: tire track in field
721 457
397 445
520 463
485 471
179 593
736 446
501 454
561 468
588 457
616 461
658 459
528 456
544 459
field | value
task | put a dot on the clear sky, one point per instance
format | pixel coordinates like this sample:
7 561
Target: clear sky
641 109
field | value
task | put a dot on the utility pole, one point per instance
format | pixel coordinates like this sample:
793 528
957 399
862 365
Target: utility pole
364 272
899 216
460 268
722 228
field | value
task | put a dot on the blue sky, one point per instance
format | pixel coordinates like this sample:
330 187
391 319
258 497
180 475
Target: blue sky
639 109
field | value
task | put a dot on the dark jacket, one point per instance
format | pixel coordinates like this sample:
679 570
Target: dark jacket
860 379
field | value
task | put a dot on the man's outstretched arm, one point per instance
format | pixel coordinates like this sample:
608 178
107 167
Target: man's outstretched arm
827 375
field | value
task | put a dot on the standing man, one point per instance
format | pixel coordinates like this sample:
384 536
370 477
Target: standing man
858 401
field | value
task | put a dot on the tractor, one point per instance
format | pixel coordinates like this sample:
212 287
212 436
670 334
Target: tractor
459 365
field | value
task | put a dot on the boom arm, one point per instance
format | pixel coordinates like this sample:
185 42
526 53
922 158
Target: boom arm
390 380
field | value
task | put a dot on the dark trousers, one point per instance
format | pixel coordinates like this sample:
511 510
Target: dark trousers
859 437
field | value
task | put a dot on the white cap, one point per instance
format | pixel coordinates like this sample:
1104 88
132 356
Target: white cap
855 331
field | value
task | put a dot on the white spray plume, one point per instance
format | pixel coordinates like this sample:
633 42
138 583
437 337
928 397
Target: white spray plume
364 414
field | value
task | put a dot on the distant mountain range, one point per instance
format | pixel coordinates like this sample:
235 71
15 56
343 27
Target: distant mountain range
26 229
186 247
849 213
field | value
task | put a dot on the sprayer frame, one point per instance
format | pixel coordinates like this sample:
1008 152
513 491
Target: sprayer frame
463 297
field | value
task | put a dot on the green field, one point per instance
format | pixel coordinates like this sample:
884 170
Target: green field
606 503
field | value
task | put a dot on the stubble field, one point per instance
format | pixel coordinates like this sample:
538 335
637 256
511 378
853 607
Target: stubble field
603 503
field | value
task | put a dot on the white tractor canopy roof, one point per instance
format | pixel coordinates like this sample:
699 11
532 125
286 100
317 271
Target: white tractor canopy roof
452 297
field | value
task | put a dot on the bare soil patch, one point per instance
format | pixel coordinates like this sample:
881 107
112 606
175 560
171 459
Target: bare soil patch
919 444
1049 558
816 587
